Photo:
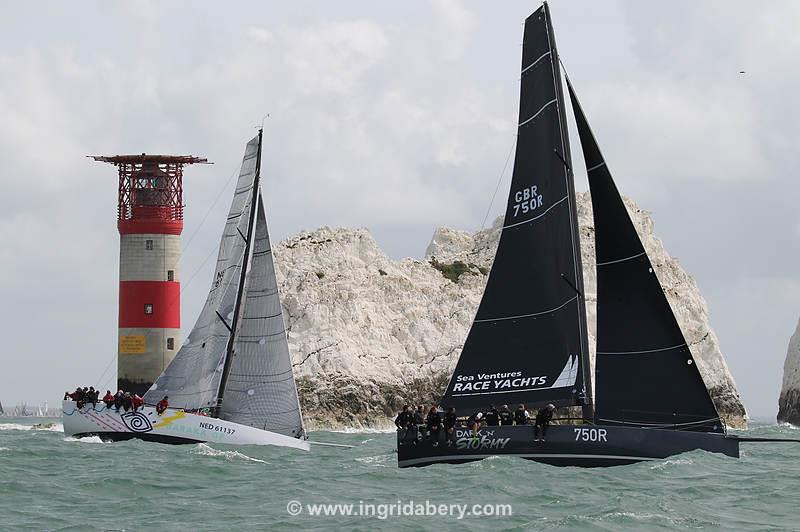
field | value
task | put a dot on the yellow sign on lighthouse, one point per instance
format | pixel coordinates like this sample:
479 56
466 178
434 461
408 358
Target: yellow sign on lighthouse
132 345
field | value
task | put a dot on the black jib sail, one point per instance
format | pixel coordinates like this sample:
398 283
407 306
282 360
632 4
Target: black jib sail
645 373
528 342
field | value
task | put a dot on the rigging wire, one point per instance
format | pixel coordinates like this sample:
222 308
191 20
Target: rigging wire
499 180
483 225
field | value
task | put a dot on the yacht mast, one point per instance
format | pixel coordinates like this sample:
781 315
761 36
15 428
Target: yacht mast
242 279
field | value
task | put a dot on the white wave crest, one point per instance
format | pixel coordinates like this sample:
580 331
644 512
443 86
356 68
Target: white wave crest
353 430
204 450
87 439
671 462
4 449
381 460
47 427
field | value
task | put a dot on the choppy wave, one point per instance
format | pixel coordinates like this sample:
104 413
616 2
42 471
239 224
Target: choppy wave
353 430
213 487
86 439
671 462
47 427
381 460
203 449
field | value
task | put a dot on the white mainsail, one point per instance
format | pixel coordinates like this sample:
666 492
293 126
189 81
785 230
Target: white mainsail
260 390
192 379
254 384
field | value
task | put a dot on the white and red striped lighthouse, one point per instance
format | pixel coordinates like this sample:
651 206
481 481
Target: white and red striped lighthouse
150 222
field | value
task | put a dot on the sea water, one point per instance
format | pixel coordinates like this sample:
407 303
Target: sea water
49 482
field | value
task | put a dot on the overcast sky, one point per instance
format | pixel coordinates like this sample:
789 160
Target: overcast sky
394 116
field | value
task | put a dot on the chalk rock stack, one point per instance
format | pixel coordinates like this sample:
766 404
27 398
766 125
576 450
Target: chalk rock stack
789 402
369 334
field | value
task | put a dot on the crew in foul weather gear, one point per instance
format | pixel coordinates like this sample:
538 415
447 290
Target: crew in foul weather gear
543 418
127 401
450 419
506 416
79 397
419 416
434 425
405 424
108 399
493 417
404 418
521 416
91 396
119 399
474 423
162 405
136 402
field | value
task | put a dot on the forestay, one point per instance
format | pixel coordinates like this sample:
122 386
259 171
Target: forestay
645 373
528 341
260 390
192 379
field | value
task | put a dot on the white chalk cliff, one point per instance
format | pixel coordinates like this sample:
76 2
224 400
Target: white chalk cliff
789 402
368 333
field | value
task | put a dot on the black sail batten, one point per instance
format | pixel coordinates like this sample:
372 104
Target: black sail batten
528 341
645 372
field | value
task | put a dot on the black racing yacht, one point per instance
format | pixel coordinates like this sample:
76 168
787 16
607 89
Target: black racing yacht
528 342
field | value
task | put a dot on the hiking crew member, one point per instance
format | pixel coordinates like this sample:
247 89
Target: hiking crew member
78 397
450 424
403 422
108 399
474 423
127 401
543 417
118 399
492 417
162 405
434 425
419 416
91 396
506 416
136 402
521 416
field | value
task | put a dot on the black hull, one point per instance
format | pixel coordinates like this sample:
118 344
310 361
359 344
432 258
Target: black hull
565 445
144 436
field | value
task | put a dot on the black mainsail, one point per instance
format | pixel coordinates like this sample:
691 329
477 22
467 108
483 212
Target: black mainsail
528 342
645 373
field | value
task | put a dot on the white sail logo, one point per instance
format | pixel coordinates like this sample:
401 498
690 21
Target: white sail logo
513 381
568 374
527 200
483 383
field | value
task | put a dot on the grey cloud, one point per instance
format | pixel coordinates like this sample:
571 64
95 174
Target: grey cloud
395 117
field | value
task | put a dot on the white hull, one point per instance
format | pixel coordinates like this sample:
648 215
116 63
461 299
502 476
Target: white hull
173 426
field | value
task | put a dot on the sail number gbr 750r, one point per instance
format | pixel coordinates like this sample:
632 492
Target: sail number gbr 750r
527 200
591 434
